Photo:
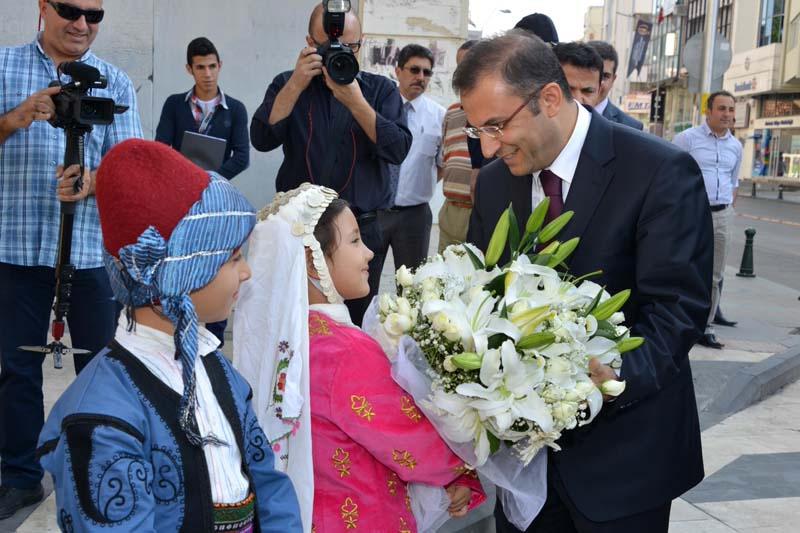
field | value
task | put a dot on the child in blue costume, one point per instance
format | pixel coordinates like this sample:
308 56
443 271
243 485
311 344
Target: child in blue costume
157 433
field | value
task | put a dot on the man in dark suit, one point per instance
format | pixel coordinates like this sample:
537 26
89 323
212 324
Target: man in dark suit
605 107
643 218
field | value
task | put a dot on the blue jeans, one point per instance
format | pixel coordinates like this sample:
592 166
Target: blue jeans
26 298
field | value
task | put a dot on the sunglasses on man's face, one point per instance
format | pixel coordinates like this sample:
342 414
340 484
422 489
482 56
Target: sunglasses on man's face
72 13
416 70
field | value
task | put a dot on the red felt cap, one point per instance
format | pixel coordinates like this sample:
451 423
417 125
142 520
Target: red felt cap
142 184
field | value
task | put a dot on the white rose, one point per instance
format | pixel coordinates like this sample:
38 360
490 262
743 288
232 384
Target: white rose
584 388
452 334
612 387
397 324
404 277
440 322
429 296
430 284
448 365
565 412
386 304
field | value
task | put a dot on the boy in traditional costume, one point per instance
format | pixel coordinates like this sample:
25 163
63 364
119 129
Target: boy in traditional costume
350 438
157 433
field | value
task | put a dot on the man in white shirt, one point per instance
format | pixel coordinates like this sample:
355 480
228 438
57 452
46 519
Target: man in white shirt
719 156
406 226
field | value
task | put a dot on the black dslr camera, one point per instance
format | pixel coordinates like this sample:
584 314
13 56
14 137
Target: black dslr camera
338 59
74 107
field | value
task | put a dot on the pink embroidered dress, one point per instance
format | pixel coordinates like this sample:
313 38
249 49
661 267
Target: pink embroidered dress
368 437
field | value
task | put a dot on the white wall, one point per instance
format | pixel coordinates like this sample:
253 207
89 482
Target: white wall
256 39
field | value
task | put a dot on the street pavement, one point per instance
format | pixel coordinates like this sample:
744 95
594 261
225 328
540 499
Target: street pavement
752 457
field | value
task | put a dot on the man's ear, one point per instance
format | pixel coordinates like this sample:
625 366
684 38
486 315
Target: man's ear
551 99
310 269
189 70
310 41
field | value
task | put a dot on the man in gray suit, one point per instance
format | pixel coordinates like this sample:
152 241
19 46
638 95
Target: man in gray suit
605 107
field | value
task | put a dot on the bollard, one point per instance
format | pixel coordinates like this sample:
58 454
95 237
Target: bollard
746 268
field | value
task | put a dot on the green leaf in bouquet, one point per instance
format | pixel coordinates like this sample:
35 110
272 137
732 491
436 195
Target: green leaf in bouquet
536 219
504 310
494 442
496 341
513 232
596 300
555 226
536 340
476 261
499 238
606 329
629 344
497 286
604 310
467 361
578 280
563 252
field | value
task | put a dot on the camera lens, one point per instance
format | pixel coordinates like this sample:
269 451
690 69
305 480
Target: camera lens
342 66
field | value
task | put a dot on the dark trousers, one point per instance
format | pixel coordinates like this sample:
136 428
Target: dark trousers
26 298
372 238
408 231
559 515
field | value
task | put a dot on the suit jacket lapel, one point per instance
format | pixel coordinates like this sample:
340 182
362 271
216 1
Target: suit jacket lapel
592 176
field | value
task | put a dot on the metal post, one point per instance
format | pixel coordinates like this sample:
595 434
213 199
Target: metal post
746 268
712 10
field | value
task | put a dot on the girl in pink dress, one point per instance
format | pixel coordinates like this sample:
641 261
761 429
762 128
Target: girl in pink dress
368 441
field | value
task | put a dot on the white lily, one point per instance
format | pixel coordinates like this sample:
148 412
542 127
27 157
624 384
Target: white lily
509 392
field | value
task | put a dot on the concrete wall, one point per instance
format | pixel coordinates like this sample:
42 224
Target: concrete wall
147 38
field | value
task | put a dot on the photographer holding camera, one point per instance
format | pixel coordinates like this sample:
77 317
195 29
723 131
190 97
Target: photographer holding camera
338 127
32 185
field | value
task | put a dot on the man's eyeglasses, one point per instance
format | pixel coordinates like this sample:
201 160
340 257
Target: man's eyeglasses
495 131
72 13
415 70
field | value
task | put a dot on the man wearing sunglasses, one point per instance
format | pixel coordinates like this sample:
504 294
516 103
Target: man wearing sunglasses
341 136
406 225
31 153
642 217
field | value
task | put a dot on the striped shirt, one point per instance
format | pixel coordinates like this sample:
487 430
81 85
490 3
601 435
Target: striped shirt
156 350
29 207
457 173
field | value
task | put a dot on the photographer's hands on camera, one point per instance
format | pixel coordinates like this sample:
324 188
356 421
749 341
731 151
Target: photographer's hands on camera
40 106
309 65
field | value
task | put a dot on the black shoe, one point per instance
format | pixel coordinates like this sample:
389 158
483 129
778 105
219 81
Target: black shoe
710 341
13 499
720 320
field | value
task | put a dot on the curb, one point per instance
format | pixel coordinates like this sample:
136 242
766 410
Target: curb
754 383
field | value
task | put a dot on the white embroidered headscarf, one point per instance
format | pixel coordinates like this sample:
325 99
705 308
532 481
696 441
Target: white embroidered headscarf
270 329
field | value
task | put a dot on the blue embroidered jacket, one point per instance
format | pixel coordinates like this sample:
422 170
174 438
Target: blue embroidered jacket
120 462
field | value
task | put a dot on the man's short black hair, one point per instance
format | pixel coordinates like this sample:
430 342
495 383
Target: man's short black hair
580 55
713 95
200 47
606 51
413 50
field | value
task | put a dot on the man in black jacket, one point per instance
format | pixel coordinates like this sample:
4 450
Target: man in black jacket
206 109
642 216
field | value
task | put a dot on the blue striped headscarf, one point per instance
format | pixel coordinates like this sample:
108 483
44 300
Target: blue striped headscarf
166 271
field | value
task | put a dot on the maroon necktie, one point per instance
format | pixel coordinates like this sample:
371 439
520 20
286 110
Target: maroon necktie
551 185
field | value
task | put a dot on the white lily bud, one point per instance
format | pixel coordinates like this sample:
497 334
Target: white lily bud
403 307
397 324
404 277
386 304
617 318
612 387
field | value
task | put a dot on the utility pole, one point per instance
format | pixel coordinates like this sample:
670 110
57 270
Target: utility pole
712 10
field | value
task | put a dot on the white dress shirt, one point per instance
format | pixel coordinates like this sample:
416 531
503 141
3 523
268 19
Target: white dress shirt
567 161
156 350
602 106
418 171
719 159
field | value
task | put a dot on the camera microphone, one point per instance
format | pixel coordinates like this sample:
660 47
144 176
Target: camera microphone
80 71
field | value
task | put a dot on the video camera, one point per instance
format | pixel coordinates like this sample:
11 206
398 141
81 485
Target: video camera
338 59
74 108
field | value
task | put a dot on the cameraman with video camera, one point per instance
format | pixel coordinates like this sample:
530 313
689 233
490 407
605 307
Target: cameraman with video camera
34 188
338 127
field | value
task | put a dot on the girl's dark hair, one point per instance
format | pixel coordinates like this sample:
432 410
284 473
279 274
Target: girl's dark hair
326 232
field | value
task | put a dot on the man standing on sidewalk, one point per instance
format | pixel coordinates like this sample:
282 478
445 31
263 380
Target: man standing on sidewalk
206 109
406 226
458 176
33 183
719 155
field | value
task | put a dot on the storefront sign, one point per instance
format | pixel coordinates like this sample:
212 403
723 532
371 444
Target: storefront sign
636 103
746 86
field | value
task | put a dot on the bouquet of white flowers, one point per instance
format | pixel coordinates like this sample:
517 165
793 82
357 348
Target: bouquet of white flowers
505 351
